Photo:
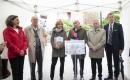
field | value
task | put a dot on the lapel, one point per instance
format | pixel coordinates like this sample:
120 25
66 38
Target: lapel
114 26
31 30
38 31
107 28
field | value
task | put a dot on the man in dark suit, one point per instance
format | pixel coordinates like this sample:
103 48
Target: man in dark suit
114 45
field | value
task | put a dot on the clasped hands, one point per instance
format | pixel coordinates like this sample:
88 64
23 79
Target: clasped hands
58 45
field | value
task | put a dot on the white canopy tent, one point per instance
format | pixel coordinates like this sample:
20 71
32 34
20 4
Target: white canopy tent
46 6
55 9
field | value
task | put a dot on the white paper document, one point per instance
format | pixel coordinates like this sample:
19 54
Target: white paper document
75 47
58 39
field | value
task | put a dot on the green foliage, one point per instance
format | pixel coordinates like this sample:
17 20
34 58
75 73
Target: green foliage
67 25
104 22
117 18
87 27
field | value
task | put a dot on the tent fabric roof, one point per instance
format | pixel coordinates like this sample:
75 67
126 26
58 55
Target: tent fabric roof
67 5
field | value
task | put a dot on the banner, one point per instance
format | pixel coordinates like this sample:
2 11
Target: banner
75 47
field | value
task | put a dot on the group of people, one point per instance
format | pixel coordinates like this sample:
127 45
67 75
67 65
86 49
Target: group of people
33 38
17 41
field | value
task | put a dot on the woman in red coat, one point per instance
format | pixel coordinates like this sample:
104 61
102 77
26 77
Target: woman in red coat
16 43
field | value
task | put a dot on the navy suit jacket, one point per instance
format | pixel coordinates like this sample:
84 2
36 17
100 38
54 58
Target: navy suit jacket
117 36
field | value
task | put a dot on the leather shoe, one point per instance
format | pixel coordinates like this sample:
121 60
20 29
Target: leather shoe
109 78
100 78
116 78
93 78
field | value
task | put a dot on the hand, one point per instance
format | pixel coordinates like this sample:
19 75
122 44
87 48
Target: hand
2 46
90 48
94 48
57 46
4 43
61 45
75 34
22 53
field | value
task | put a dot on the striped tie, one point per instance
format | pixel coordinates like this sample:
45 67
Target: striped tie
110 35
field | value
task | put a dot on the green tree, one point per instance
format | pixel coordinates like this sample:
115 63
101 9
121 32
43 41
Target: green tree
67 24
87 27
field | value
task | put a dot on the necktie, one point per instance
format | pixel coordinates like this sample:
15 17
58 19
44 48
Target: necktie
110 35
38 43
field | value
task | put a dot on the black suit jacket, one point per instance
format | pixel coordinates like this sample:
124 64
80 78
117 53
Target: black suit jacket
117 36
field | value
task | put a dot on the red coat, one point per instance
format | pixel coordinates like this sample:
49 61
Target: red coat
15 41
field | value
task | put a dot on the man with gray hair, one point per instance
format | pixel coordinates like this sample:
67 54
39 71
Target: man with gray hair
78 33
96 43
36 38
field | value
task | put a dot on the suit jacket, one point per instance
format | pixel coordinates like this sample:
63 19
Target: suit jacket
117 36
32 43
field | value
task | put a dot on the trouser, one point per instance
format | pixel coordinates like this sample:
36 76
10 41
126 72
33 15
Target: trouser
54 61
39 60
81 62
111 52
97 61
17 67
5 71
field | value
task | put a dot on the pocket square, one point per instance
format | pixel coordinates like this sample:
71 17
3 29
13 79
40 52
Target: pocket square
115 30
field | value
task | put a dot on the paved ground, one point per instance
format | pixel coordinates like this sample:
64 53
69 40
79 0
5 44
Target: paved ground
68 74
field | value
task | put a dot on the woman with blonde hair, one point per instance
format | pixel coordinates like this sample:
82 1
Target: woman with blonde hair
58 49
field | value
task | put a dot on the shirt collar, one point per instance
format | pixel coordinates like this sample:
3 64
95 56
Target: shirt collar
34 27
111 24
98 29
